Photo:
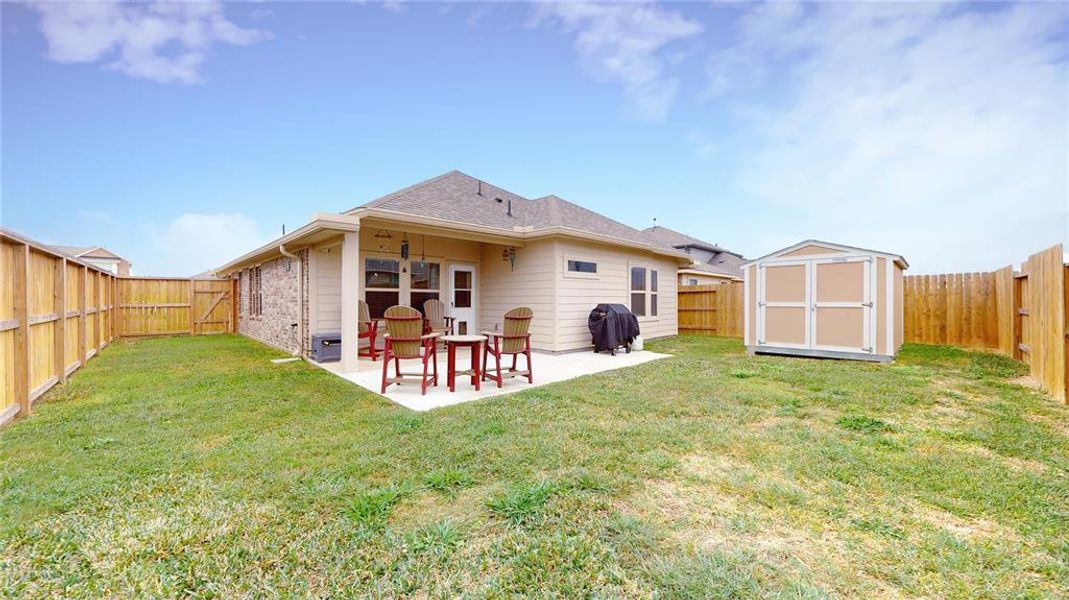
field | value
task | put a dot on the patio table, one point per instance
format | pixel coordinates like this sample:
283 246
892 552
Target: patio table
475 343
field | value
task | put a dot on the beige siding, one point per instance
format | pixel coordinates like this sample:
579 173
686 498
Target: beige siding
703 279
578 295
326 277
531 283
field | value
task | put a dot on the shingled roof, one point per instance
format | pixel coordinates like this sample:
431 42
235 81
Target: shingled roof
723 261
459 197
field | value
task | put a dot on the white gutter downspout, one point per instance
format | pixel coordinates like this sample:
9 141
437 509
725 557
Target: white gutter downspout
300 296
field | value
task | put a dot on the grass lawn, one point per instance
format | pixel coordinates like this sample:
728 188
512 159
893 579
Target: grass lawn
193 466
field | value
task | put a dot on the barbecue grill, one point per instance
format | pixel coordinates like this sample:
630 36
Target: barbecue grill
612 326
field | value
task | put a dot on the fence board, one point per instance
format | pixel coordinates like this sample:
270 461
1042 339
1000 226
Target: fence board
714 309
56 312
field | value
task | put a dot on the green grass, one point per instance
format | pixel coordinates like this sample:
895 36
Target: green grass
195 467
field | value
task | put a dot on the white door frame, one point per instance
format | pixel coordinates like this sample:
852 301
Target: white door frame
473 310
762 304
866 305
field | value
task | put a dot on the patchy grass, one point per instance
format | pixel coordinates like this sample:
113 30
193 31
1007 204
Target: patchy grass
195 467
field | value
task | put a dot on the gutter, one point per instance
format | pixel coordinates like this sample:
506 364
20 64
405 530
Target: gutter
300 297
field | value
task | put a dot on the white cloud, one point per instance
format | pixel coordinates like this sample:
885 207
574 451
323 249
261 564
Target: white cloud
195 242
625 44
934 130
162 41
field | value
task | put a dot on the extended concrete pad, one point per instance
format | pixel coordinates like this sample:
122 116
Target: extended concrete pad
548 368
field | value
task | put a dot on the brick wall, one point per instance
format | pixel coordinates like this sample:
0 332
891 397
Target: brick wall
280 306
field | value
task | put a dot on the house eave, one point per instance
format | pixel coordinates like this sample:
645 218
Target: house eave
321 226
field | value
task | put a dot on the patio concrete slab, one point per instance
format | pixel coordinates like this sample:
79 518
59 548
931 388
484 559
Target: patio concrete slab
548 368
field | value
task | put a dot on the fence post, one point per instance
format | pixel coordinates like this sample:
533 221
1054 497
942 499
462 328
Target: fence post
22 333
83 280
59 332
192 306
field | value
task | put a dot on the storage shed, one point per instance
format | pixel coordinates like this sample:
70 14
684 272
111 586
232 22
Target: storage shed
824 300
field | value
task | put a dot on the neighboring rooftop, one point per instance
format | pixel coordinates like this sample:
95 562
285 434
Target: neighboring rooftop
458 197
88 252
720 261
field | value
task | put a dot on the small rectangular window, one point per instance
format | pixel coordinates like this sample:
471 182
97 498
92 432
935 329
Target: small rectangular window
653 281
582 266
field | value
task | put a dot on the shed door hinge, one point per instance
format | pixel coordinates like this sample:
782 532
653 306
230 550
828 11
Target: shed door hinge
868 304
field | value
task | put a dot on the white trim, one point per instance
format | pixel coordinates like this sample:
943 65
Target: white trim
746 308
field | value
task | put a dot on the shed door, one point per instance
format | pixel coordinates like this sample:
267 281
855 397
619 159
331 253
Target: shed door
783 304
842 302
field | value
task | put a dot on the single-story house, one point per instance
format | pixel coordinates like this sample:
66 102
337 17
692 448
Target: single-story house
479 248
711 263
98 256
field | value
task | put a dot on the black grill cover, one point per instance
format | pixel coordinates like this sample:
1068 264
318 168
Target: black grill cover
612 326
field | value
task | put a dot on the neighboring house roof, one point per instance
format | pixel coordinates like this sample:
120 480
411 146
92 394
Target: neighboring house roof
676 239
458 197
723 261
88 252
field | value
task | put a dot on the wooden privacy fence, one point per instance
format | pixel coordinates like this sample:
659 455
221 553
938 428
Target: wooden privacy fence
1023 314
714 309
57 312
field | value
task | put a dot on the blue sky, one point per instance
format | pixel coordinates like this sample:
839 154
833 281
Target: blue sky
181 135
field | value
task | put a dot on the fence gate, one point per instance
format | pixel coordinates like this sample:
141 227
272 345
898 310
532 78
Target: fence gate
212 306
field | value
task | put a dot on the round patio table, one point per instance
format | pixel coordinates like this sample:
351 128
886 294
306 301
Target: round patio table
475 343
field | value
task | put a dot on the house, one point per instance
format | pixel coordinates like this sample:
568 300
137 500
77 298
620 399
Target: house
712 264
98 256
479 248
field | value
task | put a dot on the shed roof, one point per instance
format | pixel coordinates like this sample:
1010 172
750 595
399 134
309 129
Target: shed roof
896 257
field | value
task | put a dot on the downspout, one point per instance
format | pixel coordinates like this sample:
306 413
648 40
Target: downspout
300 296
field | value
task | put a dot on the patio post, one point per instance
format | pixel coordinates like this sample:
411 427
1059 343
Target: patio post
350 295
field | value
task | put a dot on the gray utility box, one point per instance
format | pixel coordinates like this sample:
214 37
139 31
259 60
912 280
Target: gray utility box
326 347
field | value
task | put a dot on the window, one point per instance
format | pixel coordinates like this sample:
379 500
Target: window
255 293
425 282
692 281
382 285
461 289
582 266
643 292
638 291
